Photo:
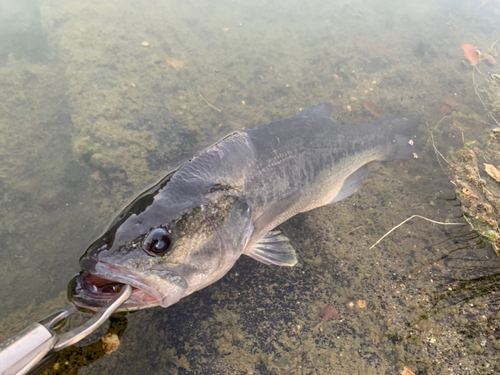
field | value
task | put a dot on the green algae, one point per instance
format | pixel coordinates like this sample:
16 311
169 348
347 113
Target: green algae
476 188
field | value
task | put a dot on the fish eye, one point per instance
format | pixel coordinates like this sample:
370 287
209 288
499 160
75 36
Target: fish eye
157 242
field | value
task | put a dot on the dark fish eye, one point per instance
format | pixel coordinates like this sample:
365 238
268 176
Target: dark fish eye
157 242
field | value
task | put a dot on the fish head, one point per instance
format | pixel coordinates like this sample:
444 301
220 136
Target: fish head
163 254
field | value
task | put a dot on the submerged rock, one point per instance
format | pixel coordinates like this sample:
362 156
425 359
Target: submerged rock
328 313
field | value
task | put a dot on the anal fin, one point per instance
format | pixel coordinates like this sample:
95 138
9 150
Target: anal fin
352 184
275 249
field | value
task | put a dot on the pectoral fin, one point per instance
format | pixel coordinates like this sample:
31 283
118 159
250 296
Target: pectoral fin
352 183
275 249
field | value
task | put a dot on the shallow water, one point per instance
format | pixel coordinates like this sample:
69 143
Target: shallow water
100 99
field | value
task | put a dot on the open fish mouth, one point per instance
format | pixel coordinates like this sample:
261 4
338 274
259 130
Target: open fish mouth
100 282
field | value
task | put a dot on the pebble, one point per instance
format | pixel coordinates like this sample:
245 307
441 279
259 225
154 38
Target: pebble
28 186
361 304
110 342
407 371
328 313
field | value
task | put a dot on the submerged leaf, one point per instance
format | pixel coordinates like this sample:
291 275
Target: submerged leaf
489 59
445 110
376 51
176 64
450 102
373 108
470 53
492 171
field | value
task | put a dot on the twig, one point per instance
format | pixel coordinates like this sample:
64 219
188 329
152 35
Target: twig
479 97
495 42
467 220
397 226
440 154
475 89
439 122
434 144
482 121
494 119
354 230
480 72
210 105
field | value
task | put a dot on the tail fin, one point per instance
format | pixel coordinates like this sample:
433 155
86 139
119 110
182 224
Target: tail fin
402 134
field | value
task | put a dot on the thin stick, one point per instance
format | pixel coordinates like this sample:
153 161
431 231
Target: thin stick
210 105
354 230
421 217
439 122
440 154
475 89
475 66
477 93
494 119
483 122
495 42
434 143
467 220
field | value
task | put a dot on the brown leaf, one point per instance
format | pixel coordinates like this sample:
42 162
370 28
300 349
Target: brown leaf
489 59
450 102
373 108
470 53
375 51
176 64
492 171
445 110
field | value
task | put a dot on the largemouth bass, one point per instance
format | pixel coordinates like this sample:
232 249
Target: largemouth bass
188 230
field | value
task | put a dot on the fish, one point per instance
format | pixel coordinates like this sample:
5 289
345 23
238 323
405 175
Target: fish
189 229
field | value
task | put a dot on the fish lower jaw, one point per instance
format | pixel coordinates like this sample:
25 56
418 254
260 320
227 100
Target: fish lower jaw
92 291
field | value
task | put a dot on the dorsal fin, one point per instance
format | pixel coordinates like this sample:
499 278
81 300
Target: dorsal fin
320 110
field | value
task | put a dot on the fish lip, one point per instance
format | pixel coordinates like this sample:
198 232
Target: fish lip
85 292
